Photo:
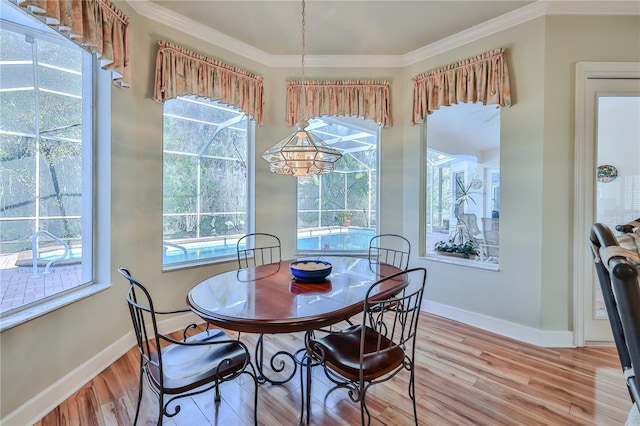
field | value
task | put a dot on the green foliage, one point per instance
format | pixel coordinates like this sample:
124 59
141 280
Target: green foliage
55 133
464 196
344 215
467 249
205 170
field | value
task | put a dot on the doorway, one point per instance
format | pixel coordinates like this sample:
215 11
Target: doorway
607 178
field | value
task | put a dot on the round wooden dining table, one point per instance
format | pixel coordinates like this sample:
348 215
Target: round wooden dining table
267 299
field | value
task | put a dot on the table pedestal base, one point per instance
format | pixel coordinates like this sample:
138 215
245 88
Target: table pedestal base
306 363
275 364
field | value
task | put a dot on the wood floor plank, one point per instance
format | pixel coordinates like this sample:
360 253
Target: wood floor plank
539 411
464 376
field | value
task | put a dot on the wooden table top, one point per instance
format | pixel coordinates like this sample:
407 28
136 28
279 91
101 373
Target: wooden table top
266 299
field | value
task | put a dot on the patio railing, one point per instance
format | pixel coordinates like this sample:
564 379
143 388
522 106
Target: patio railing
34 251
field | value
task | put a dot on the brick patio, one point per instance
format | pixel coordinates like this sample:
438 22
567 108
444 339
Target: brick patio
18 286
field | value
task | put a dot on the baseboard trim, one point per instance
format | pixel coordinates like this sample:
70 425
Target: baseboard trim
542 338
42 403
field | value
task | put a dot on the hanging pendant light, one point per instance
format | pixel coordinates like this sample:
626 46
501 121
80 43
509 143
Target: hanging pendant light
301 153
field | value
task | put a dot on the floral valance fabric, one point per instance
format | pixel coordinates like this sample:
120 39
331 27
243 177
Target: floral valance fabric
368 99
483 78
180 71
97 25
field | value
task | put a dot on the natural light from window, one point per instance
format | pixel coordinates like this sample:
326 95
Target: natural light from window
337 212
462 208
205 180
46 173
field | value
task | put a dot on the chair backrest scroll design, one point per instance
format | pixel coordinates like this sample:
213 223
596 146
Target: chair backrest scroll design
394 317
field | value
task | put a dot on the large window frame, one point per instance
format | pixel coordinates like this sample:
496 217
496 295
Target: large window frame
462 185
337 212
207 181
77 264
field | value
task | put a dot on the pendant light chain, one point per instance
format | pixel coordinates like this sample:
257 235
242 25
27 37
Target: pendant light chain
301 153
303 34
304 87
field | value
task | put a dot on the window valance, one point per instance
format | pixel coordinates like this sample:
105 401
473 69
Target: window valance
96 25
368 99
180 71
483 78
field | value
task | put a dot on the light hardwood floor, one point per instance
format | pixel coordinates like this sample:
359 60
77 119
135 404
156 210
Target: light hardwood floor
465 376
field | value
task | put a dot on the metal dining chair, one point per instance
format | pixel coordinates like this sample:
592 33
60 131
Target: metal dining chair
391 249
257 249
379 347
179 368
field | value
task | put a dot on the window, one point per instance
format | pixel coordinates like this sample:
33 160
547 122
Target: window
205 180
338 211
462 208
46 165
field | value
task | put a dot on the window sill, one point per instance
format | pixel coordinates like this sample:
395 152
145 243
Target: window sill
462 262
17 317
198 263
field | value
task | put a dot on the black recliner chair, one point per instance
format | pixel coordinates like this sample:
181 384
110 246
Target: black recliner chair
618 270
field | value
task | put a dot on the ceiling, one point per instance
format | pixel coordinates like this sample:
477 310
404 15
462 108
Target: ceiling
355 33
343 27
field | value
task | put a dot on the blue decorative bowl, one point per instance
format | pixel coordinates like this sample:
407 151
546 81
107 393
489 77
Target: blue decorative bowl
310 271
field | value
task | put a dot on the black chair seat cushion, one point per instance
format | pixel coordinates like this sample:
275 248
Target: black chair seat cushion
188 367
342 353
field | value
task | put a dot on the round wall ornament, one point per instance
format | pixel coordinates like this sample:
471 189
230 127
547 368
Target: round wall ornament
606 173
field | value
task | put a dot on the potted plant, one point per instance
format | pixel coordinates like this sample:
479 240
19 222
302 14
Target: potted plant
461 241
468 249
344 216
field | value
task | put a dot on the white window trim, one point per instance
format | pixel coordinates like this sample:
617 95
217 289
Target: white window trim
101 214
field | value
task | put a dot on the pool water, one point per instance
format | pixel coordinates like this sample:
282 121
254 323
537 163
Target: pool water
56 254
197 251
340 240
352 240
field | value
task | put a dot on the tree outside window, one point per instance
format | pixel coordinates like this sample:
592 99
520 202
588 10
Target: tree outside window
46 165
338 211
205 180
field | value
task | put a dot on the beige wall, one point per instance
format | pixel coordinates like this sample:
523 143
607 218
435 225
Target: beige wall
533 287
601 39
510 294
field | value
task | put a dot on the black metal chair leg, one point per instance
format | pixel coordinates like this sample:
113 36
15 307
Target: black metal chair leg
135 420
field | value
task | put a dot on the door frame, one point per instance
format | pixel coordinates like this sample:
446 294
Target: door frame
584 147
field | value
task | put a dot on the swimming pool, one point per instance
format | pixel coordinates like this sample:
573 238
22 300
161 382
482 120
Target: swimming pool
74 254
353 239
339 240
325 240
200 250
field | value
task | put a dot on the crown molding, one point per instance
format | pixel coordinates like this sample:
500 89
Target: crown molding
599 7
165 16
492 26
